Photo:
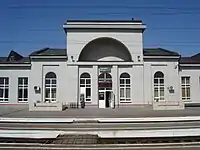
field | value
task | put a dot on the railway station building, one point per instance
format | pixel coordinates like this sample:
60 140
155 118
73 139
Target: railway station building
104 65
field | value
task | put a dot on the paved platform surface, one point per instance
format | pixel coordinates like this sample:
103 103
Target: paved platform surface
22 111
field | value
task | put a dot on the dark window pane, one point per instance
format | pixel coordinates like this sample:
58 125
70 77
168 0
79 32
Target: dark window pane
53 85
53 81
82 81
50 75
25 93
188 91
47 93
1 92
6 80
128 81
162 81
85 75
88 92
108 76
101 95
20 93
158 75
20 80
26 81
121 81
6 93
182 80
187 80
47 81
183 92
53 93
1 80
124 75
101 76
155 81
87 99
88 81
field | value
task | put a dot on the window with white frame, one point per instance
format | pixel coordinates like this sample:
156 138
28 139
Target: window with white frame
159 86
22 89
50 87
185 88
85 85
4 89
125 88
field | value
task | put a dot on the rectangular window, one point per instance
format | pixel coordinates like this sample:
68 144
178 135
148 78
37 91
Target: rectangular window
4 89
22 89
185 88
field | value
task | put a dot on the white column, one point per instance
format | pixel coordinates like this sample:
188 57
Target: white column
137 89
115 87
95 86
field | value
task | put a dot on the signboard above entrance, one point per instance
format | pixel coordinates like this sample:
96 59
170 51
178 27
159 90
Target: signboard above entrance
105 69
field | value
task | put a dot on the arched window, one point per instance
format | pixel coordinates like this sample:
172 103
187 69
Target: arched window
125 88
85 87
105 81
50 87
158 86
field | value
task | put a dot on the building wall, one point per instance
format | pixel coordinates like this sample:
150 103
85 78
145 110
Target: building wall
171 78
13 74
37 78
194 74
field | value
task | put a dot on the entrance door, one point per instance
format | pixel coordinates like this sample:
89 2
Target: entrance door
108 98
104 98
105 89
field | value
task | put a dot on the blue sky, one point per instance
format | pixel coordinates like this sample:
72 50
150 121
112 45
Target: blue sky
28 25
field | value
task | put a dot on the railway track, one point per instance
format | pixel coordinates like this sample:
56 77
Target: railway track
100 126
86 140
159 146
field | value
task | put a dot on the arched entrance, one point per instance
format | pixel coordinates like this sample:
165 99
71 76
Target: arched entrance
105 49
105 90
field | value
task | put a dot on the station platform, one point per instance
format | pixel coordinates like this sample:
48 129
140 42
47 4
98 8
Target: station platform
22 114
22 111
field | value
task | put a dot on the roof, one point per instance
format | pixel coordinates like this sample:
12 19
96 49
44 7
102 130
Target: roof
159 52
195 59
14 58
50 52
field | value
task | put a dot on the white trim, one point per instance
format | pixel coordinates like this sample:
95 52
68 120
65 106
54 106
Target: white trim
102 22
8 65
190 65
158 64
105 26
167 57
44 57
102 63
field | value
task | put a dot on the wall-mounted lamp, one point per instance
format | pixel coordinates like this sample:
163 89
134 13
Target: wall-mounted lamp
138 57
72 57
175 67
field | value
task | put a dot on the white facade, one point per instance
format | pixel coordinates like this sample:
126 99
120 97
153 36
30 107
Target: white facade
106 66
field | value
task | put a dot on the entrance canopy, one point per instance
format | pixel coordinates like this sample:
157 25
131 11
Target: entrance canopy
105 49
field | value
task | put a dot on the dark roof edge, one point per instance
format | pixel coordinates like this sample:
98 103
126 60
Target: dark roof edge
114 21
